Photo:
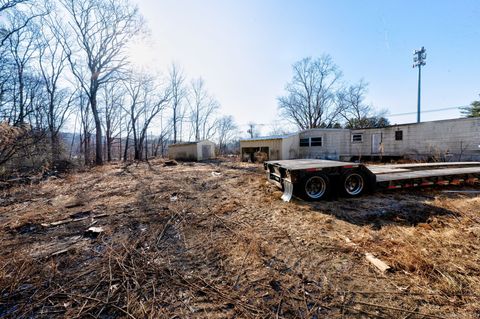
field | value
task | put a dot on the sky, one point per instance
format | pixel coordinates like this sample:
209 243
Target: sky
244 50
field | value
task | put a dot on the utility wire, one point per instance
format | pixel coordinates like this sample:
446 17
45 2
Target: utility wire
387 115
428 111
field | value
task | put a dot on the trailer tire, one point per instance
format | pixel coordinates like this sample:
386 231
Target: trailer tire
353 183
314 187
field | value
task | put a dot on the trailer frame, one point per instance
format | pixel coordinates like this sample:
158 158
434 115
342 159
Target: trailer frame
314 179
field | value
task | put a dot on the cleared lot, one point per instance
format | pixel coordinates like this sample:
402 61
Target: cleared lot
214 240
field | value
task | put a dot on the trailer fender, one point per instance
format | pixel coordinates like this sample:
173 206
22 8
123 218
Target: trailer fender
287 190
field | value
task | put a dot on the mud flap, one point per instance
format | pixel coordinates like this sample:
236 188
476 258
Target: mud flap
287 190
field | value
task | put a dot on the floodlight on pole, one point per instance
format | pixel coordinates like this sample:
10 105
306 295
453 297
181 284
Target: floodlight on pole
419 57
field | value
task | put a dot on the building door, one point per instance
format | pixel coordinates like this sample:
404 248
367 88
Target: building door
376 143
206 151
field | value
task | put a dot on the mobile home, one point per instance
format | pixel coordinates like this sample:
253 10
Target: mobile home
445 140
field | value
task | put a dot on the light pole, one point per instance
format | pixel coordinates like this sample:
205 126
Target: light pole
419 57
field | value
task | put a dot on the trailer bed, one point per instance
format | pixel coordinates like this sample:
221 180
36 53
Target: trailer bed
302 164
394 172
331 176
407 174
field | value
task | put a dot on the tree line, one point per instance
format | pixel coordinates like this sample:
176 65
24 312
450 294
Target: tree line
316 97
65 62
64 66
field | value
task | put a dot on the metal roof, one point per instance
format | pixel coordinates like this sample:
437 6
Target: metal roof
270 137
189 143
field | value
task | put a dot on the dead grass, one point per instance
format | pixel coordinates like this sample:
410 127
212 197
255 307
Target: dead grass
213 240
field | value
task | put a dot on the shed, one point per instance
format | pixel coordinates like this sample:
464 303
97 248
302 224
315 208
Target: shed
269 147
192 151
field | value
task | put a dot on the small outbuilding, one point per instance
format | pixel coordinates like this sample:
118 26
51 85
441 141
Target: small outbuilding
192 151
277 147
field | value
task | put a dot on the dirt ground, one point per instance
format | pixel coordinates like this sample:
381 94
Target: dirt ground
214 240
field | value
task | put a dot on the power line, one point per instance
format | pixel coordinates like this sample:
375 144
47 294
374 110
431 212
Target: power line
279 122
428 111
284 122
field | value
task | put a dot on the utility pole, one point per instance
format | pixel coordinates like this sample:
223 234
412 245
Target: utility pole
419 57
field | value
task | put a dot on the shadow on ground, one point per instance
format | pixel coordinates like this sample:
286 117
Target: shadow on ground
378 212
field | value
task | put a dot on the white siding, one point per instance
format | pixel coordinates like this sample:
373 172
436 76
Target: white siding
290 147
334 144
452 140
455 139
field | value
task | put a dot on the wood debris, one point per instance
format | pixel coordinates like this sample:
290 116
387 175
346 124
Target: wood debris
380 265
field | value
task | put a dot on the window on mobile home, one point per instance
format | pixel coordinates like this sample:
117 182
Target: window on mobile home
304 142
357 137
398 135
316 141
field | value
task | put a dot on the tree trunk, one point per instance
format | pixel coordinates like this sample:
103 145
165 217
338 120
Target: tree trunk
87 148
175 125
98 127
125 154
109 143
146 148
21 103
55 146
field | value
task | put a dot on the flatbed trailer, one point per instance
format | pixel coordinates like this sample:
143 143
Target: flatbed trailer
314 179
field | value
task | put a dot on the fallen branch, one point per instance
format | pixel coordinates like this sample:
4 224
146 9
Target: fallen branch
70 220
413 293
398 309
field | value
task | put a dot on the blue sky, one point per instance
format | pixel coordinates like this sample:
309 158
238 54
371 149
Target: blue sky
244 49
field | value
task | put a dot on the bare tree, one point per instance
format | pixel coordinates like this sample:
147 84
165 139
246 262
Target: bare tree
179 93
7 74
145 100
355 112
102 29
22 47
24 11
8 4
310 98
352 107
162 140
22 93
280 128
202 109
252 130
86 127
52 62
113 99
226 131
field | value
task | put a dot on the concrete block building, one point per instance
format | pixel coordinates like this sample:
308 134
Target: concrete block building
192 151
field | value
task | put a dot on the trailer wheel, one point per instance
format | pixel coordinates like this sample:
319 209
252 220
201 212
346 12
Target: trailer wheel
315 187
353 183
